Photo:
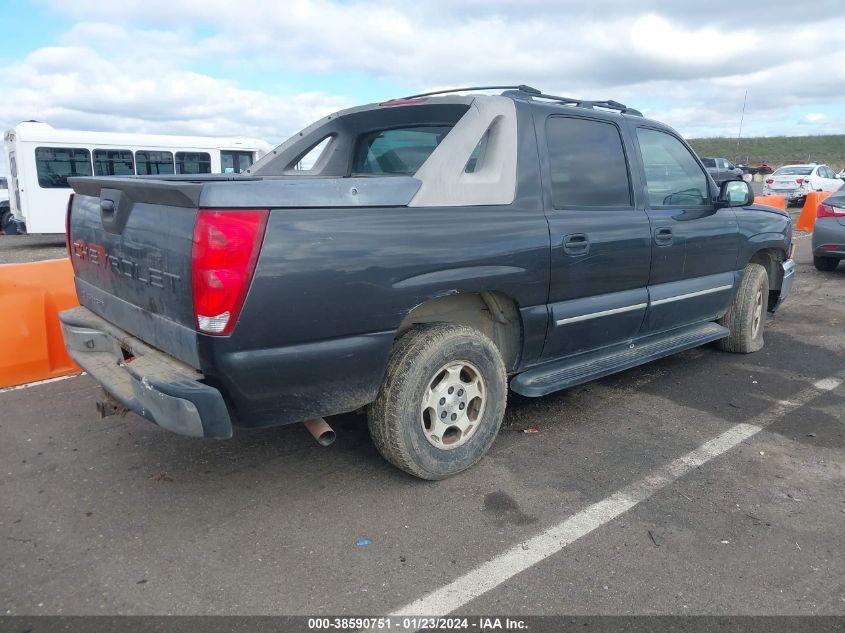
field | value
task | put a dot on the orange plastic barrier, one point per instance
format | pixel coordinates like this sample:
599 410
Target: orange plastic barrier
31 345
772 201
807 219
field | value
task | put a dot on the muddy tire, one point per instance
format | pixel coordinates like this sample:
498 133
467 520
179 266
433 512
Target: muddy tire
441 402
746 316
825 264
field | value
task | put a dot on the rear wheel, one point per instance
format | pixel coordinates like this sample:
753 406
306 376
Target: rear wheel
825 264
442 400
746 316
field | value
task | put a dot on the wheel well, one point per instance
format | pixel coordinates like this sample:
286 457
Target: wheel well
771 259
493 313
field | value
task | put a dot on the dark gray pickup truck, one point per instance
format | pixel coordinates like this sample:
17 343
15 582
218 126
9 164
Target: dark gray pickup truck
416 257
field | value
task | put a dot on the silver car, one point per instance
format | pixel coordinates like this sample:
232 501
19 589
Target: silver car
829 232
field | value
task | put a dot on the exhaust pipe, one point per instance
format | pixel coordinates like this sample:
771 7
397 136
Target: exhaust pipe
321 431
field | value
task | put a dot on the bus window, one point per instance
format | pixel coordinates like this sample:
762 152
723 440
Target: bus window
193 163
113 162
56 164
235 162
154 163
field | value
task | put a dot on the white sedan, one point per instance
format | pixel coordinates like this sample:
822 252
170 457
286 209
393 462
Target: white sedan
796 181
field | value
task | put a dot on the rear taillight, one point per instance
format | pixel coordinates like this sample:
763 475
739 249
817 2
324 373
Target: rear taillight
829 211
67 225
799 180
770 181
225 250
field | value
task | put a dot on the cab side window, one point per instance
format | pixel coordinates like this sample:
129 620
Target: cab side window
587 164
673 176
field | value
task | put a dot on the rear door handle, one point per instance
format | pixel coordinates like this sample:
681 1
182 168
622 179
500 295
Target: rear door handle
576 244
663 236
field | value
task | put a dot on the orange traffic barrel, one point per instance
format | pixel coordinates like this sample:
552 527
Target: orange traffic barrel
31 297
807 219
772 200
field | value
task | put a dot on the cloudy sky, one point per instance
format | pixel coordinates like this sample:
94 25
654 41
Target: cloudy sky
266 68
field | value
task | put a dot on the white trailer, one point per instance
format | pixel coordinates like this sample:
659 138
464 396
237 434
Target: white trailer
41 159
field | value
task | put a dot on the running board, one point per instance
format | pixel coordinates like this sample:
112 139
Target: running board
550 377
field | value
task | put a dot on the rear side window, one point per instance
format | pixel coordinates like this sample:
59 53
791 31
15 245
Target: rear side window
708 162
54 165
113 162
398 152
673 177
150 163
587 164
193 163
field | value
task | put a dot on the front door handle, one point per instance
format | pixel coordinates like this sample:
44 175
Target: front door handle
663 236
576 244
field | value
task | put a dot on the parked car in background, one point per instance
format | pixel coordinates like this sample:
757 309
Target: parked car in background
721 169
841 174
829 232
796 181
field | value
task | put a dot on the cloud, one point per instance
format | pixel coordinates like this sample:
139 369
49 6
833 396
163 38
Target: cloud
814 117
75 86
180 67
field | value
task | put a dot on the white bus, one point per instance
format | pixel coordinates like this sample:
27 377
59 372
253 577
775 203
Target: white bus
42 158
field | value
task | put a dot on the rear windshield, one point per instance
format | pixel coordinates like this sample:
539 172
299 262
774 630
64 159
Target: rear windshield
793 171
396 152
708 162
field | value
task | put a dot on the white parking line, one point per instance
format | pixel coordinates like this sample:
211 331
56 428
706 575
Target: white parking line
493 573
38 383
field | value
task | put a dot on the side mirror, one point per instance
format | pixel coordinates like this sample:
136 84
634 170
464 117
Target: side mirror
735 193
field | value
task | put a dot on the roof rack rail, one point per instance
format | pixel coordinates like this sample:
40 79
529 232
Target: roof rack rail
533 93
584 103
521 88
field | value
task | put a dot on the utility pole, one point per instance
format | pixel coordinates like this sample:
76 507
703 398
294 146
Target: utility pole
741 121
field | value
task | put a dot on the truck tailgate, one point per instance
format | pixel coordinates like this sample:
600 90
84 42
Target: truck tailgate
131 252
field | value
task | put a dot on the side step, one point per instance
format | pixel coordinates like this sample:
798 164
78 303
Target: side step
554 376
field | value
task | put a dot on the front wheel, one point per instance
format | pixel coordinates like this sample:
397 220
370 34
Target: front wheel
746 316
441 402
825 264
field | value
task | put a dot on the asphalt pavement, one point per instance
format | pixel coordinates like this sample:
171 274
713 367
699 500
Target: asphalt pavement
704 483
19 249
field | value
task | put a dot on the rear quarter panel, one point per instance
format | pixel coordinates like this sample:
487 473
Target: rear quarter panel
332 287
